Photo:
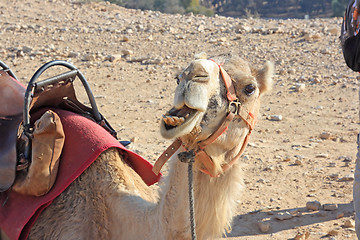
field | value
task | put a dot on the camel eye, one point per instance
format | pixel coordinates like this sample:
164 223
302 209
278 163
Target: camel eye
249 89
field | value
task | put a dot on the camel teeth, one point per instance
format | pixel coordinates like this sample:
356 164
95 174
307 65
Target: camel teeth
173 121
187 115
168 120
181 120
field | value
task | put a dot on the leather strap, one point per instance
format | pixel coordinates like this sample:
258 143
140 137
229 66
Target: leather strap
166 155
231 95
223 127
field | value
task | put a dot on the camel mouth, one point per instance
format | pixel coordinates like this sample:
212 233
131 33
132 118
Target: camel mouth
176 117
178 122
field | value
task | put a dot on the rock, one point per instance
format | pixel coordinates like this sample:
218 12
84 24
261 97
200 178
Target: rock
313 205
275 117
322 214
333 233
322 155
330 207
347 178
89 57
73 54
334 31
139 59
223 39
325 136
312 37
302 236
299 87
283 216
134 139
298 162
155 61
349 223
201 28
264 227
114 58
26 49
340 215
125 39
126 52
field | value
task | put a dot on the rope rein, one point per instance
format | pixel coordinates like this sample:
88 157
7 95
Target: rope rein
189 157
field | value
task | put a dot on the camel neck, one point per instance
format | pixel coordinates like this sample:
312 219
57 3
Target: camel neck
210 193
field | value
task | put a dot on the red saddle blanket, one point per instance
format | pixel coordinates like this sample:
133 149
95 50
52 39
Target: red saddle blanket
85 140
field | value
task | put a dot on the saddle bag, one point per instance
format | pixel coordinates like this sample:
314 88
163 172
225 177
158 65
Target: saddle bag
39 137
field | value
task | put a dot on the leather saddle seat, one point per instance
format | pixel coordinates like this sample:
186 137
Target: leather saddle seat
11 108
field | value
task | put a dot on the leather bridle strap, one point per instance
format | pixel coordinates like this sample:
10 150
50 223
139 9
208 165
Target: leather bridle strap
223 127
166 155
231 95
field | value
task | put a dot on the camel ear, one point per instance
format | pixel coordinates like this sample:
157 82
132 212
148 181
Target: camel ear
264 77
201 55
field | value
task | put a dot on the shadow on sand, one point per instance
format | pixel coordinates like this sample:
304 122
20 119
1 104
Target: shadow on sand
247 224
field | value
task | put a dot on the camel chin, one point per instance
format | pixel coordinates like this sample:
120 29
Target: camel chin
179 122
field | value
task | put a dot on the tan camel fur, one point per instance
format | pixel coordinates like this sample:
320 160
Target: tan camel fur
110 201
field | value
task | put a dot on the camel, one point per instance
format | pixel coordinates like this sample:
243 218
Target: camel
110 201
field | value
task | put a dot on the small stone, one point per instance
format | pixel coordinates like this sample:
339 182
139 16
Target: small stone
313 205
223 39
312 37
291 71
334 31
298 162
322 214
134 139
126 38
349 223
201 28
322 155
115 58
340 215
264 227
275 117
299 87
127 52
302 236
330 206
26 49
325 136
347 178
155 61
89 57
73 54
283 216
333 233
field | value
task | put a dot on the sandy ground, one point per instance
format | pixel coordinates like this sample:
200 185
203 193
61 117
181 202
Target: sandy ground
130 58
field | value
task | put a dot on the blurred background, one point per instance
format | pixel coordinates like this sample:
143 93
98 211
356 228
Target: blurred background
243 8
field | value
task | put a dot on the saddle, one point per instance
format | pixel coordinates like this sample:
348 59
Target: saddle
11 107
30 147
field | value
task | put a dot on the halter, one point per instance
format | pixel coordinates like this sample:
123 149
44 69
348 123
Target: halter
234 109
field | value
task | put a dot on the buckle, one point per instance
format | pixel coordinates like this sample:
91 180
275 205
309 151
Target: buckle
234 107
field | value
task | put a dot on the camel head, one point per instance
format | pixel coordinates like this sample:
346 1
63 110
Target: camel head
201 104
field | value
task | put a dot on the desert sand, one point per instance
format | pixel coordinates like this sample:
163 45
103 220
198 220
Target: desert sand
299 165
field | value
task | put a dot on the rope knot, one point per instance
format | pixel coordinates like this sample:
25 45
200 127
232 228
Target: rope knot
187 157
